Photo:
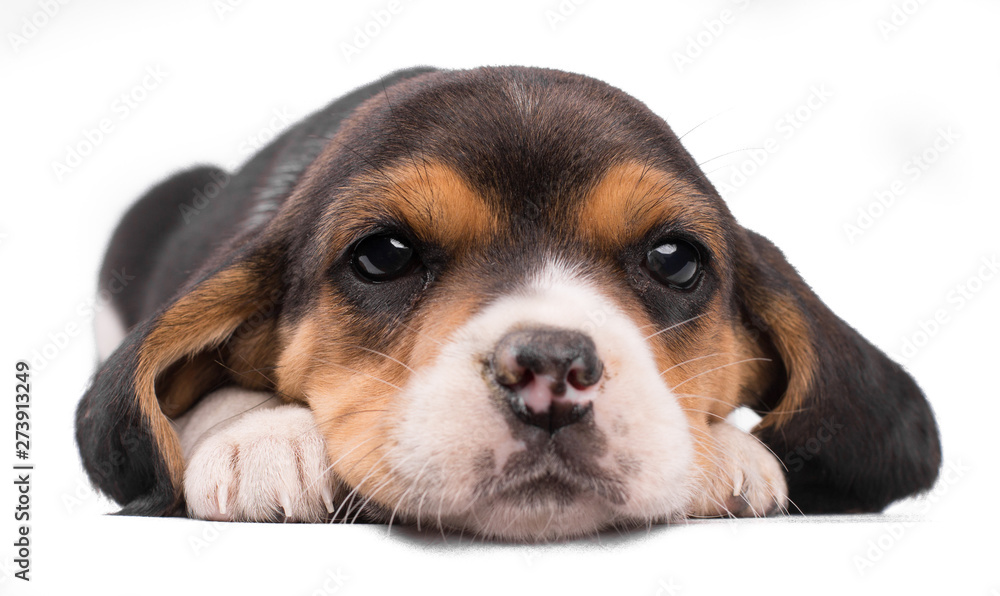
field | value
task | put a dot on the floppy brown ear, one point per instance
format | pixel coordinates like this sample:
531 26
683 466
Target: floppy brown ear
852 428
221 330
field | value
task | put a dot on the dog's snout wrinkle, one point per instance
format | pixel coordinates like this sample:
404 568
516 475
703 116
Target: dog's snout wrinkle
550 375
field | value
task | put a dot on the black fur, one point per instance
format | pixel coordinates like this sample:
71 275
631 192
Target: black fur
865 435
118 452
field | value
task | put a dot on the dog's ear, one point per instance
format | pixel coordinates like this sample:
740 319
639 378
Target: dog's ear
219 329
853 430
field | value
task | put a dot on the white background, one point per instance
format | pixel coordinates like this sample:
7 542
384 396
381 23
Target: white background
890 89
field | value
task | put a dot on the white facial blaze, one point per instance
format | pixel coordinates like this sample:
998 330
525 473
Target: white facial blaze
450 422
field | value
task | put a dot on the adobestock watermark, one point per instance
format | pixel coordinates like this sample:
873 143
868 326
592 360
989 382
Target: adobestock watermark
208 533
560 13
121 108
796 459
366 33
786 127
899 15
539 202
596 319
224 8
956 299
81 493
877 548
202 197
264 313
86 311
279 120
530 556
332 582
32 25
107 467
911 171
667 587
6 572
712 29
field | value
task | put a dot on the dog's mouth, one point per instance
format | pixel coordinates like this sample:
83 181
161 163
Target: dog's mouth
550 472
556 487
541 497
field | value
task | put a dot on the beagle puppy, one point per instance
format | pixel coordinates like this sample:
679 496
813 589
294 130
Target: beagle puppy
504 301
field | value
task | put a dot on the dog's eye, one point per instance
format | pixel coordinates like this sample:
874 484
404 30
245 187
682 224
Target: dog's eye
383 257
674 263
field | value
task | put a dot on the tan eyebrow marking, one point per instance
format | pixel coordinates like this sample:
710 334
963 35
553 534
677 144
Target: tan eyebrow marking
429 196
633 198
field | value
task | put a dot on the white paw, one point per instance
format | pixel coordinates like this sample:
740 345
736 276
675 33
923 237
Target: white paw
743 478
265 465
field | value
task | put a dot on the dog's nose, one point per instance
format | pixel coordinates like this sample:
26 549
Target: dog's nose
550 373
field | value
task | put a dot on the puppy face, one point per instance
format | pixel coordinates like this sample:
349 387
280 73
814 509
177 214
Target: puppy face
424 385
515 306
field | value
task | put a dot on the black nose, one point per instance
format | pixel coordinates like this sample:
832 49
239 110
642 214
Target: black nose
550 374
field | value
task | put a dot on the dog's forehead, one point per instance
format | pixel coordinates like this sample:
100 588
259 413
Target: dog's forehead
527 137
466 155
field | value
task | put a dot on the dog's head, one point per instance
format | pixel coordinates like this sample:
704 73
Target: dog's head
515 305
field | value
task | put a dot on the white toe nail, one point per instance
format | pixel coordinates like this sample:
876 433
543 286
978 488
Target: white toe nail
327 498
221 496
286 505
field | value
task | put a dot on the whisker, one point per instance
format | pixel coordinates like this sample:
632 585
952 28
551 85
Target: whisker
361 508
381 354
351 469
420 505
317 423
719 368
697 166
339 459
440 523
771 451
402 498
353 413
237 415
704 475
421 333
799 509
703 412
386 482
694 360
705 121
358 372
721 401
364 479
673 326
722 450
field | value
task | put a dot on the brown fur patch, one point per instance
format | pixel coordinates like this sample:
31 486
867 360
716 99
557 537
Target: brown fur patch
348 388
184 381
428 196
792 340
632 199
351 388
199 321
704 370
